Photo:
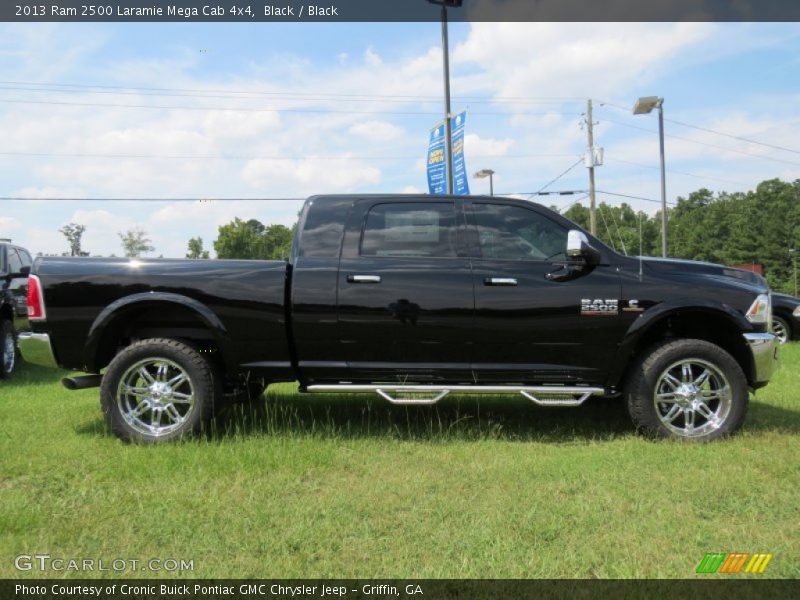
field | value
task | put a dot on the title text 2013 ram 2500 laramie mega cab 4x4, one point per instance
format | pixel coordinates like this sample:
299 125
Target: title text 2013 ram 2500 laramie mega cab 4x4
400 295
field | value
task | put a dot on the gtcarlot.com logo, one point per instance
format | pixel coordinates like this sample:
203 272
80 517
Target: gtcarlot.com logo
733 562
45 563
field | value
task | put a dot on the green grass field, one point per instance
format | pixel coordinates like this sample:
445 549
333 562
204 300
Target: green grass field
344 486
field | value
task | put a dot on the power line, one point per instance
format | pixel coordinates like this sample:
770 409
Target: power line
636 164
714 131
619 233
248 109
761 156
579 161
632 197
245 157
432 98
563 210
735 137
293 96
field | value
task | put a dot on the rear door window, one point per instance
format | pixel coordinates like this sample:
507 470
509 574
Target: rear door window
412 229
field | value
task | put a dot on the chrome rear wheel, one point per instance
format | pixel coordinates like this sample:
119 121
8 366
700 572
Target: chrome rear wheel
155 396
8 348
158 389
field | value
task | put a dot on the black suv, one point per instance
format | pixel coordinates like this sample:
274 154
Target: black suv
15 265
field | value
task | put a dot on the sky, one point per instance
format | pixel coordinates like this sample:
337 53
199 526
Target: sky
282 111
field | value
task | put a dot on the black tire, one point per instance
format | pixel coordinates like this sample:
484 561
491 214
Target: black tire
702 392
781 329
175 391
8 350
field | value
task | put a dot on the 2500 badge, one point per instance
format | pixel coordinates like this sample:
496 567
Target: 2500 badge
599 306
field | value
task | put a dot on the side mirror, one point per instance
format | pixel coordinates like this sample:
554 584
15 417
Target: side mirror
579 248
23 272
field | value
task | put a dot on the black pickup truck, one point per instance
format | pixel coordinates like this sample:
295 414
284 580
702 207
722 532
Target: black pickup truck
15 264
785 317
411 298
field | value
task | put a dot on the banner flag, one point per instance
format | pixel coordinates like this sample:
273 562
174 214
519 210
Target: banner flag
460 179
437 167
437 174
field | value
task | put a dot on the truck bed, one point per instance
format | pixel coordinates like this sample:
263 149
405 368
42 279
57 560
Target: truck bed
241 303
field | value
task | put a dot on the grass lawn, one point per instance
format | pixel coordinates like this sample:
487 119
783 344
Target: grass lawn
344 486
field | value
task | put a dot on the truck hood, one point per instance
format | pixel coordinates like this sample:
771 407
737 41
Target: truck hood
728 276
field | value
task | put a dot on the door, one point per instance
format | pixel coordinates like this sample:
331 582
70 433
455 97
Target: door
405 302
529 328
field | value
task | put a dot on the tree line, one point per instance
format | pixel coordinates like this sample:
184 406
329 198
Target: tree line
761 226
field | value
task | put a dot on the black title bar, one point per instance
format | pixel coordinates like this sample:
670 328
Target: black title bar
398 10
393 589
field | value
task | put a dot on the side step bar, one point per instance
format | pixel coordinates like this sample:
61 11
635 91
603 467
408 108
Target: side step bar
543 395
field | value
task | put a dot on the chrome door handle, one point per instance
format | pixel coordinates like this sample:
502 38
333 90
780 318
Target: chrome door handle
364 278
499 281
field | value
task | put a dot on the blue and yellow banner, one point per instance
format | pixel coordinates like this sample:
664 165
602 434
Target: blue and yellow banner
437 166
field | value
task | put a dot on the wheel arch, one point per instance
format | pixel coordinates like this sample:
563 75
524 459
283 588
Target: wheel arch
715 323
156 314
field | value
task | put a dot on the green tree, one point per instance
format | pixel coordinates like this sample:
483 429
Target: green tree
135 242
620 227
252 240
761 226
195 249
73 232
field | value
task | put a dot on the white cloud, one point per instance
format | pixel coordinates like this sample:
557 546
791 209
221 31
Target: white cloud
372 58
309 176
576 59
9 225
377 131
475 145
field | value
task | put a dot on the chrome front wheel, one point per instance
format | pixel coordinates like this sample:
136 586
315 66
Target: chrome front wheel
692 398
687 389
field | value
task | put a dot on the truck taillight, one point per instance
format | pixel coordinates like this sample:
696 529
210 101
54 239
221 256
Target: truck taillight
35 299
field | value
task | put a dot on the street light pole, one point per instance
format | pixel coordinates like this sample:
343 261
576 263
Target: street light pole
663 179
486 173
446 64
447 125
643 106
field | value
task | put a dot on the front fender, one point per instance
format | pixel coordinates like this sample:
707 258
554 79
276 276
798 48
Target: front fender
113 314
657 314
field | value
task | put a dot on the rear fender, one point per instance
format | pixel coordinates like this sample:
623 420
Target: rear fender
115 314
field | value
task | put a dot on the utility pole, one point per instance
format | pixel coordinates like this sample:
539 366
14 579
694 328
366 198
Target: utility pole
590 134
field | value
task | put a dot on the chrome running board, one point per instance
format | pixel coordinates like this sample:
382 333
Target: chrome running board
543 395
